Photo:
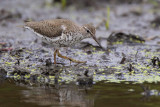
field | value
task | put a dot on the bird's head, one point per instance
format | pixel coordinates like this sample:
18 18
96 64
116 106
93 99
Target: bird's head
90 32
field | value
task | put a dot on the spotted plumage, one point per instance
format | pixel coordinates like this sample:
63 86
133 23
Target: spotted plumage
61 33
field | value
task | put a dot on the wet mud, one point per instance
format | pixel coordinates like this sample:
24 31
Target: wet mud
130 46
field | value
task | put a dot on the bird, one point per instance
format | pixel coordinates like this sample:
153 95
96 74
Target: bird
61 33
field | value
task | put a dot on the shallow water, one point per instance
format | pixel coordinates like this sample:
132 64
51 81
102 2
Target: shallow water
18 94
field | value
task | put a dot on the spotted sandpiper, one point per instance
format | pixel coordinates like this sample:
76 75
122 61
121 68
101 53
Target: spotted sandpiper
61 33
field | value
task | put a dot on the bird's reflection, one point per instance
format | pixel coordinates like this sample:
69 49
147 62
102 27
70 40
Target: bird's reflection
61 95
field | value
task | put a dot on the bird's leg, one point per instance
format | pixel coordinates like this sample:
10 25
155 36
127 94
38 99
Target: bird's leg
73 60
55 52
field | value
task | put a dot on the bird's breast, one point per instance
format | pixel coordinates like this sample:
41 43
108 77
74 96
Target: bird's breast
65 40
70 38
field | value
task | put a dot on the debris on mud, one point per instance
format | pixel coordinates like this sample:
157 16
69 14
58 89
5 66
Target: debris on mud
8 15
135 12
4 47
155 62
156 22
85 81
123 59
3 73
20 71
122 38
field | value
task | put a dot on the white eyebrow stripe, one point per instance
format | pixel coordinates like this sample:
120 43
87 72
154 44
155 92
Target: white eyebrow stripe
89 30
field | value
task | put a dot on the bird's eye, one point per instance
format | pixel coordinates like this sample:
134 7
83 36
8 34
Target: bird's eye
87 31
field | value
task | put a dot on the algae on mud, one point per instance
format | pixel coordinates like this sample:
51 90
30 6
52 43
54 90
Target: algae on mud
98 70
126 74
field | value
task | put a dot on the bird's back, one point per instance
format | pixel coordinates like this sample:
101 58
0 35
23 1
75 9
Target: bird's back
52 28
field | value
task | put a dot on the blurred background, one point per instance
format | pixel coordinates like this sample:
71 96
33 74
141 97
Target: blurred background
140 17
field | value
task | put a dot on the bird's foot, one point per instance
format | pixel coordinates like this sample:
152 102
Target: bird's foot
76 61
71 60
65 57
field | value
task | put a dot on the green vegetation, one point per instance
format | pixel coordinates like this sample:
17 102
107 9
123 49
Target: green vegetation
154 2
108 18
63 4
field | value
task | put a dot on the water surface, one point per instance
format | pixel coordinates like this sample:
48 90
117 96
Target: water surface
102 94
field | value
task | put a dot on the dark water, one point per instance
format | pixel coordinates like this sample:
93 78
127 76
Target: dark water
18 94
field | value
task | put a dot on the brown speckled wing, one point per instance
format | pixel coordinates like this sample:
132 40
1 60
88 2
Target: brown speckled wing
49 28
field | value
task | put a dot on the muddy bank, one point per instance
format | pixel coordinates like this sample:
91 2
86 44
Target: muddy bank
131 43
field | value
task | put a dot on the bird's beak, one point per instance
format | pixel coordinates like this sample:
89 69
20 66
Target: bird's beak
93 36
